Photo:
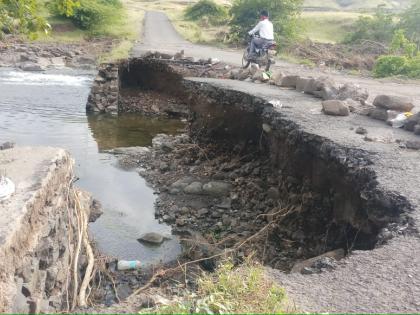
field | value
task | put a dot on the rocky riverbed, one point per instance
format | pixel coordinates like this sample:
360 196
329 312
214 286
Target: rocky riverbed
40 56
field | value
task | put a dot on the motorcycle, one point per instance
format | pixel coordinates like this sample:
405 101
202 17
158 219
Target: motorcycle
263 57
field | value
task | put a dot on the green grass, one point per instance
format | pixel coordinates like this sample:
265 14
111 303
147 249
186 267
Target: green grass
328 27
242 290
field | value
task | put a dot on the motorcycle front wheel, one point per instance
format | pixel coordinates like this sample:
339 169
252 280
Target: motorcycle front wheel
245 61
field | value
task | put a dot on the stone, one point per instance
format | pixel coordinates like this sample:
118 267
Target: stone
379 114
335 108
244 74
202 212
352 91
124 291
327 92
254 69
95 210
217 188
7 145
397 103
195 188
301 83
417 130
361 131
412 121
182 183
30 66
413 145
289 81
151 238
276 78
309 263
164 167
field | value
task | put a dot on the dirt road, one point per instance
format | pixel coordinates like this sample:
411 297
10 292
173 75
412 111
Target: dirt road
160 35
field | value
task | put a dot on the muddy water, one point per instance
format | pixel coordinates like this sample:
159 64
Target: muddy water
49 109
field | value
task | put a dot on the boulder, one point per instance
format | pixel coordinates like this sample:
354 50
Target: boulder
352 91
358 108
413 145
379 114
276 78
327 92
361 131
30 66
412 122
217 188
397 103
335 108
289 81
244 74
417 130
301 84
152 238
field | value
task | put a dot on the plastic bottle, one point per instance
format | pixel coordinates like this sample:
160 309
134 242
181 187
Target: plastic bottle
128 264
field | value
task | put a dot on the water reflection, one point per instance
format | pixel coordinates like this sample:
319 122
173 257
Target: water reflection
128 130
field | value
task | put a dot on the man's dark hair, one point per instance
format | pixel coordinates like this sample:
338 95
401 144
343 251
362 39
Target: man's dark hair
264 13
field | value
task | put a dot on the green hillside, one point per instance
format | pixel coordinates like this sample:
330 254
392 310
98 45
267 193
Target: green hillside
353 5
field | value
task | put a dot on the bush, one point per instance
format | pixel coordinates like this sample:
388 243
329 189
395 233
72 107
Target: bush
378 28
410 22
216 14
21 16
87 14
387 66
284 15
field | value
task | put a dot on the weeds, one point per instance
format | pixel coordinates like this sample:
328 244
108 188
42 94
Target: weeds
244 289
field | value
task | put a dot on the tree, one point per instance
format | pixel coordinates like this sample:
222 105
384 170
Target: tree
410 22
21 16
284 15
379 27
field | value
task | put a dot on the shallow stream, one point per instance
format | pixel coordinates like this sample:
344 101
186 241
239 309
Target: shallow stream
48 109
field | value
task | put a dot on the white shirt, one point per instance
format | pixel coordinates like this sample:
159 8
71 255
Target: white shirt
265 28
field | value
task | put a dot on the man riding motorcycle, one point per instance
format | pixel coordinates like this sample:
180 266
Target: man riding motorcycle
266 31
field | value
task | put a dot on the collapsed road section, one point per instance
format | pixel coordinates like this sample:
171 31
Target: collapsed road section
256 154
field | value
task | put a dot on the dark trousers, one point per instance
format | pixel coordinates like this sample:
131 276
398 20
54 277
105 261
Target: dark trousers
258 43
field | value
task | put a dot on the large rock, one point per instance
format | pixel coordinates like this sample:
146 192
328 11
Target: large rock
30 66
398 103
379 114
276 78
335 108
152 238
417 129
412 122
301 84
352 91
289 81
328 91
217 188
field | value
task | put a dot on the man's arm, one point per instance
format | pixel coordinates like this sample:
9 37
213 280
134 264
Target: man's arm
255 29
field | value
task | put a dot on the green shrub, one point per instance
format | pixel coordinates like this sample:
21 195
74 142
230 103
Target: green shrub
379 27
387 66
410 22
87 14
216 14
21 16
283 13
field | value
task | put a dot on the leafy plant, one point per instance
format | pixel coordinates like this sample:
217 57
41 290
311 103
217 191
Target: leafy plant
379 27
21 16
404 59
284 15
215 13
86 14
410 22
231 290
